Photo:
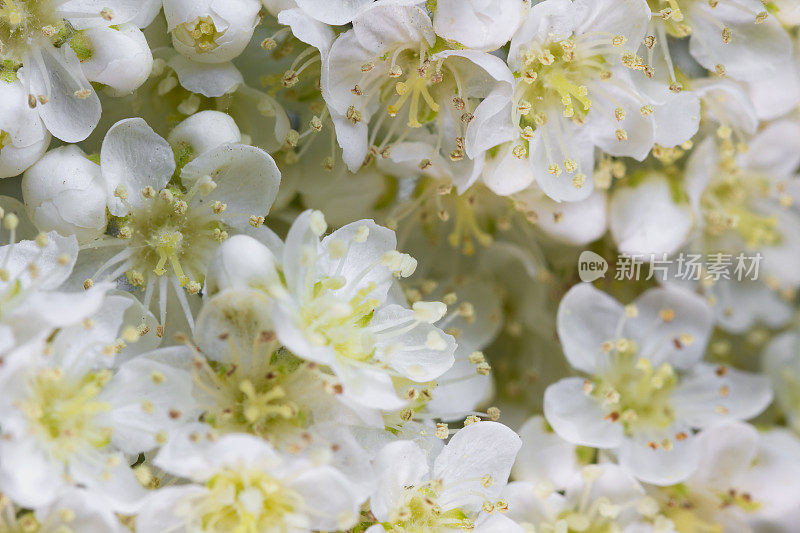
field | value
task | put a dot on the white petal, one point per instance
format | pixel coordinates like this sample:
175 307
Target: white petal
554 19
709 396
659 466
398 465
15 160
480 449
577 417
87 13
410 354
556 142
659 339
209 79
628 18
726 451
587 318
65 192
368 387
478 24
333 13
229 322
57 74
360 257
576 223
544 457
506 174
205 130
247 181
173 404
36 484
385 25
332 497
771 150
755 51
727 101
17 119
309 30
134 157
649 217
613 484
678 119
241 262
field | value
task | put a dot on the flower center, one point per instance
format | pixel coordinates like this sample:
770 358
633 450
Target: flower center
553 77
340 324
728 206
635 393
247 500
421 512
669 10
170 233
200 33
258 402
415 78
62 410
25 21
691 510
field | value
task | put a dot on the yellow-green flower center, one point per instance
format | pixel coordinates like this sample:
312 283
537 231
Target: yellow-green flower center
61 410
420 512
245 501
633 392
257 402
169 234
554 76
200 33
340 324
23 22
729 205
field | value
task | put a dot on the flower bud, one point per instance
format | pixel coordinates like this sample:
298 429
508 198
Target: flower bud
213 31
64 191
204 131
118 58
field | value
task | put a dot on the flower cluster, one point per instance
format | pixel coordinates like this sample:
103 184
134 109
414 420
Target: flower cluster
381 266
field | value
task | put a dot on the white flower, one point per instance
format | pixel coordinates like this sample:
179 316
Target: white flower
747 481
385 78
246 382
167 231
23 137
211 31
64 192
646 391
738 38
31 272
478 24
240 483
461 490
578 86
69 416
51 39
745 203
74 508
597 498
333 305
